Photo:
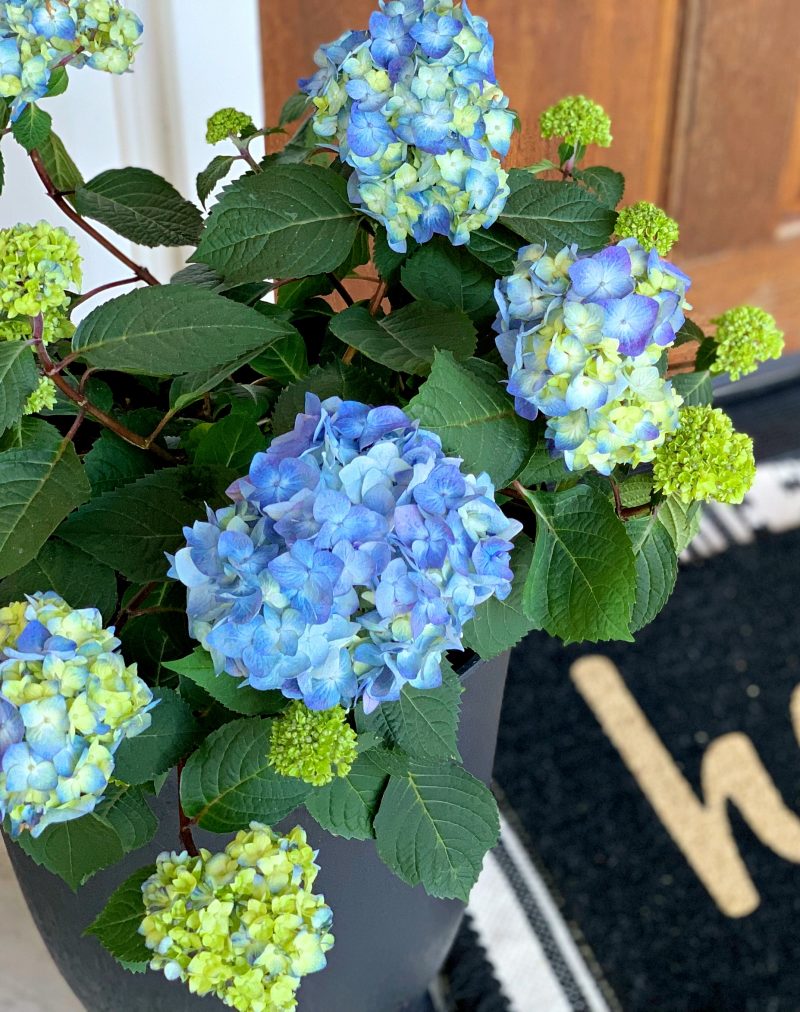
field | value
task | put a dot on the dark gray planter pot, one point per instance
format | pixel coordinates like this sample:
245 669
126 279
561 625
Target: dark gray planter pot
391 940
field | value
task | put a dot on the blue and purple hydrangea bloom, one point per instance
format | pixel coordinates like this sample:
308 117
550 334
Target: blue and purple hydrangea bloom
352 556
414 107
582 337
67 701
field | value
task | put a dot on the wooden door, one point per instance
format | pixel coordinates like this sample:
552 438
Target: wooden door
704 97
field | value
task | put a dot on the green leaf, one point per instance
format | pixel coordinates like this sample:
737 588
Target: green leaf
287 221
334 380
217 169
64 173
582 581
450 277
75 850
228 782
434 826
126 810
557 213
2 172
131 528
294 107
32 127
497 247
184 390
141 206
170 330
285 361
474 416
545 165
656 568
541 468
40 483
406 340
690 331
347 805
112 462
607 185
500 625
681 520
172 734
117 926
231 443
423 722
150 640
388 261
231 692
18 380
58 82
81 580
636 490
694 387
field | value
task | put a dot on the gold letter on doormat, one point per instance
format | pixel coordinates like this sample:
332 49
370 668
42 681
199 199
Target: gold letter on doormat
731 771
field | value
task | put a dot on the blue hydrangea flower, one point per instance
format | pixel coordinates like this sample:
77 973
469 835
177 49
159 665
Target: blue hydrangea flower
67 701
582 337
414 107
38 35
352 556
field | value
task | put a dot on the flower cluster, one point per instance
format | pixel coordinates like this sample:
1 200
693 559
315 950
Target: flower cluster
227 123
242 925
67 700
314 745
37 36
745 337
577 120
651 227
353 556
582 337
414 106
705 459
39 265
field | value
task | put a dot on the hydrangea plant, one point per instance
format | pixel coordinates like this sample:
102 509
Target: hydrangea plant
297 511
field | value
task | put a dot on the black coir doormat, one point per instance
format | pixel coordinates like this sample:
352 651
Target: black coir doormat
659 785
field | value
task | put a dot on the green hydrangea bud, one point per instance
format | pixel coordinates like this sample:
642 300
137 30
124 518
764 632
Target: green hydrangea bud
745 337
226 123
578 120
651 227
705 458
313 745
43 397
39 265
242 924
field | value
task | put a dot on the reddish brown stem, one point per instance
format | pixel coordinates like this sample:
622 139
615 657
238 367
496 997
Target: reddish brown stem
184 822
142 273
102 288
135 601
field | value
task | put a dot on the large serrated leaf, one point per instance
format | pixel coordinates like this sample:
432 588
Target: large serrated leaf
172 734
117 926
18 380
170 330
497 247
582 581
557 213
126 810
474 416
131 528
229 782
216 170
500 625
607 184
75 850
694 388
224 688
423 722
61 169
656 568
681 520
231 443
41 482
112 462
32 127
450 277
81 580
347 805
287 221
434 826
406 340
141 206
334 380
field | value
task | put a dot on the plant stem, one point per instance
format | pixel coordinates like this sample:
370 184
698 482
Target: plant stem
79 300
374 306
51 370
135 601
244 152
142 273
337 284
184 822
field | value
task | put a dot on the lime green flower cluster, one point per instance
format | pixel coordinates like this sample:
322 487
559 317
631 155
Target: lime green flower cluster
242 924
43 398
745 337
577 120
314 745
651 227
39 265
228 123
705 459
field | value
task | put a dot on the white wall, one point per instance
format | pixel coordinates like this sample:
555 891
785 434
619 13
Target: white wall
194 60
